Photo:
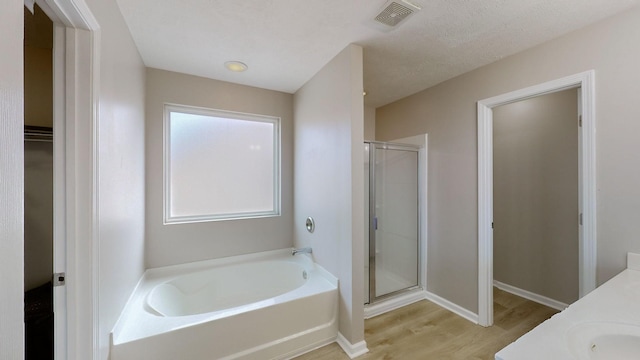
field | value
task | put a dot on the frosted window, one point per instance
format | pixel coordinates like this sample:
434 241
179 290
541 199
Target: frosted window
220 165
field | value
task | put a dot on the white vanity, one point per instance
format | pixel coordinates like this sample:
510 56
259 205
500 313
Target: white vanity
605 324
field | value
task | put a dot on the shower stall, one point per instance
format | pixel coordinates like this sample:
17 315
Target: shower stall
393 226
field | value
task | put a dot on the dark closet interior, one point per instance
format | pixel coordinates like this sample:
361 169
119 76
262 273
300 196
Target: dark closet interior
38 186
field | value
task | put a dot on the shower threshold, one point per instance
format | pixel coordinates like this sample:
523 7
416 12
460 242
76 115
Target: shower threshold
394 301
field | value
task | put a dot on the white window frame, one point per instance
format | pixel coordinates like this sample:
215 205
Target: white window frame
168 218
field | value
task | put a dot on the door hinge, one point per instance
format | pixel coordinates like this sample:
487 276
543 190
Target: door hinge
580 220
492 224
59 279
580 121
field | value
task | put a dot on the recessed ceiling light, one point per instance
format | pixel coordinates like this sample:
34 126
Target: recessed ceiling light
236 66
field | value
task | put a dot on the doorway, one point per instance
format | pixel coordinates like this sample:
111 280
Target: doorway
535 197
586 194
75 65
38 185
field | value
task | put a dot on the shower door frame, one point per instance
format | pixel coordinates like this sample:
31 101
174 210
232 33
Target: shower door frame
373 145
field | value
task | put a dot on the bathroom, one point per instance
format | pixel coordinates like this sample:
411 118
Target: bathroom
318 177
123 235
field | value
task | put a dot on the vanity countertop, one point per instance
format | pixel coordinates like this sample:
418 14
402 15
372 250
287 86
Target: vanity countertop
615 303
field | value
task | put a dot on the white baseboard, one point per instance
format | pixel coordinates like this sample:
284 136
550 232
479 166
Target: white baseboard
352 350
454 308
394 303
530 296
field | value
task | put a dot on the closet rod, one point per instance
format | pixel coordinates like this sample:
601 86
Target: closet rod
38 133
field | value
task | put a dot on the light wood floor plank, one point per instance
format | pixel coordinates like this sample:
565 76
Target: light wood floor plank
424 330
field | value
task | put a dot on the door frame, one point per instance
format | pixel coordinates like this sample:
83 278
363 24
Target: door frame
76 244
587 184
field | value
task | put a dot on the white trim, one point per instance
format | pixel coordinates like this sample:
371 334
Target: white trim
454 308
71 13
352 350
587 256
59 191
588 251
81 152
485 216
394 303
94 83
540 299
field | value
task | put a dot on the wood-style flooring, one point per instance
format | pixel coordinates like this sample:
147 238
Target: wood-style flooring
424 330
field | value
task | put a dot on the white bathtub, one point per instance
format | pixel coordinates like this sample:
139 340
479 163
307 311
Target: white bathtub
269 305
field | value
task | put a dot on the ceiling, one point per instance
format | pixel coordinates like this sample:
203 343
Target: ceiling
286 42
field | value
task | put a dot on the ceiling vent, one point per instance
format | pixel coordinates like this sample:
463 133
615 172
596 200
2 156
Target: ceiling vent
393 13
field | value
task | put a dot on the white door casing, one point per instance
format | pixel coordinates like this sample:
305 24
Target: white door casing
585 81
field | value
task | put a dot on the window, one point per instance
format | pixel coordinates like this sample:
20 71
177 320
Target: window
220 165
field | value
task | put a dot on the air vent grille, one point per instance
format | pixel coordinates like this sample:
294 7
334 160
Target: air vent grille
393 14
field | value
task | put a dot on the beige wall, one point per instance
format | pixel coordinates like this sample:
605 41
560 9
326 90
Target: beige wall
535 195
11 186
181 243
329 180
448 113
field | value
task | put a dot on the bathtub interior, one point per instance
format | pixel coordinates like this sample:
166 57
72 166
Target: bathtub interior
152 319
225 287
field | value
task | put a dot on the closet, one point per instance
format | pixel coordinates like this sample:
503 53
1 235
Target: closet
38 184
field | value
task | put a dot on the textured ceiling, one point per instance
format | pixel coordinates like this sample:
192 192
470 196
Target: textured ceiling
286 42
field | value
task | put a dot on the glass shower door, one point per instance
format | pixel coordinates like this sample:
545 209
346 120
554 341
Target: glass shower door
393 225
